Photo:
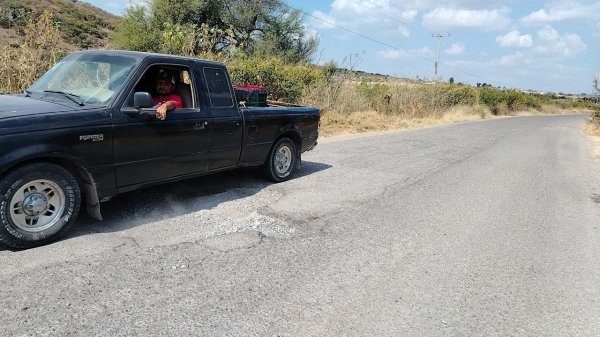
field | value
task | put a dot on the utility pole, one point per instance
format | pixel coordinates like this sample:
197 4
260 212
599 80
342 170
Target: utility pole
436 77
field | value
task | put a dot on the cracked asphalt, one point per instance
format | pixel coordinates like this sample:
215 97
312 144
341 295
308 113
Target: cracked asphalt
487 228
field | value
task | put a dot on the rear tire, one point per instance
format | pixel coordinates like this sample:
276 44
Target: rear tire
38 204
281 160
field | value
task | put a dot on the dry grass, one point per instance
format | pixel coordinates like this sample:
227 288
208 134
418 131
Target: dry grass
351 106
26 58
465 113
593 131
334 123
549 109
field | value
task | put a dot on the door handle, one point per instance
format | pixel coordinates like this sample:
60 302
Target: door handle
200 126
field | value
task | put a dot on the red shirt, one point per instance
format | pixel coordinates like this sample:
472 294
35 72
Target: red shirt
173 98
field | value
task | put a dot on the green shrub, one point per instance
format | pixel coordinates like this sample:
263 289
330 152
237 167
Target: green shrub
491 98
455 94
503 102
377 94
596 115
282 81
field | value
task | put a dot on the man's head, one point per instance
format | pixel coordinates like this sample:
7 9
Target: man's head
165 82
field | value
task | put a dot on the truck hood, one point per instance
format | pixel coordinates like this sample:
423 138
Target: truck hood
12 106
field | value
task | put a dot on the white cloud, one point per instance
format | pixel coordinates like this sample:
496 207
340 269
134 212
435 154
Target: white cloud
394 54
561 12
391 54
380 16
475 3
515 39
444 17
547 33
515 59
409 15
456 49
137 3
356 10
404 32
556 45
323 21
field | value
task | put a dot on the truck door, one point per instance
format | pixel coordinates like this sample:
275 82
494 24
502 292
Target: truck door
226 120
147 149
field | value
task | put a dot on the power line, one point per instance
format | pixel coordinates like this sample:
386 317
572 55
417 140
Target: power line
403 22
422 27
408 23
377 41
433 31
419 27
480 59
350 31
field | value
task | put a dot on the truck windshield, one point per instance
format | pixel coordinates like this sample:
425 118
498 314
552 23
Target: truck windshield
90 78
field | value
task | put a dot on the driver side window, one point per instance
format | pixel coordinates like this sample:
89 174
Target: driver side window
162 81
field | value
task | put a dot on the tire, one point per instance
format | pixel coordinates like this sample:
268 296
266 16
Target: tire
38 204
281 160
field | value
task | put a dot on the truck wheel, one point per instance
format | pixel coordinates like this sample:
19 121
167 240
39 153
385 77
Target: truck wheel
281 161
38 204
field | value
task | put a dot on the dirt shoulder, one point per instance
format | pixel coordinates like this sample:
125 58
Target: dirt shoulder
337 125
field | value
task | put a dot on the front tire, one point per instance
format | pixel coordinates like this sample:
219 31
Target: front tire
281 160
38 204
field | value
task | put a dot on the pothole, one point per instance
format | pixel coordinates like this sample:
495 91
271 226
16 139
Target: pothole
233 241
235 212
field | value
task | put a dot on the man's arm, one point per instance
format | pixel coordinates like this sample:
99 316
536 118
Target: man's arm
161 111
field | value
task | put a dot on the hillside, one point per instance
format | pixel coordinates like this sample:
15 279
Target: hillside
80 25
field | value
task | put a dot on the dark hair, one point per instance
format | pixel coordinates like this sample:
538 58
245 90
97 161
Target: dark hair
164 75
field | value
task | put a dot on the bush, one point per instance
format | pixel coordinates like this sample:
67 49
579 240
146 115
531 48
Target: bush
506 102
282 81
460 95
377 94
596 116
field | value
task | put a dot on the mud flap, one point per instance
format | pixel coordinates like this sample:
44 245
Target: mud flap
93 204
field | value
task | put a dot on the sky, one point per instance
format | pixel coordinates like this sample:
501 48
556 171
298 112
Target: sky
545 46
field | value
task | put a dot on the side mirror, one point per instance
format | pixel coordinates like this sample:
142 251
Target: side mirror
142 100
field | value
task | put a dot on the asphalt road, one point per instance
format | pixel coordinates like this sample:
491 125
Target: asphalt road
488 228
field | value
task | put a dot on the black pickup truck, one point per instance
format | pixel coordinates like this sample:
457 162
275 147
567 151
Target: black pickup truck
86 131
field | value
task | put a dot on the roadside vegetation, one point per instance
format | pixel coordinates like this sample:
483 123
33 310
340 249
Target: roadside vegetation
592 127
262 42
596 108
36 34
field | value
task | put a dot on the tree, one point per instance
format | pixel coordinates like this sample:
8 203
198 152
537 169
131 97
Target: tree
597 85
250 18
136 32
285 37
185 27
195 27
451 80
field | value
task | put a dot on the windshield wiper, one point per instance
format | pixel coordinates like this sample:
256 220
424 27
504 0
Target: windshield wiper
27 93
72 97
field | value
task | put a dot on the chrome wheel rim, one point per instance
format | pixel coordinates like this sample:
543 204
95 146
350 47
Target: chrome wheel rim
283 160
37 205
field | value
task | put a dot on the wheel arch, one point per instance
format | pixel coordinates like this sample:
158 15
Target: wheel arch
292 134
56 155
